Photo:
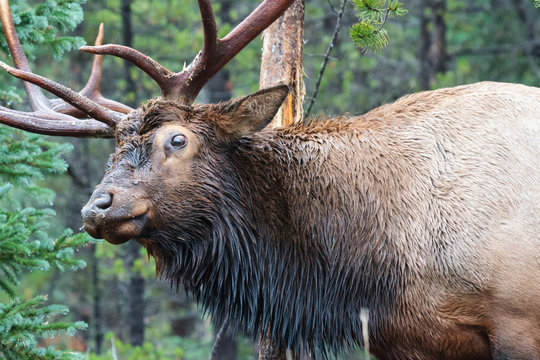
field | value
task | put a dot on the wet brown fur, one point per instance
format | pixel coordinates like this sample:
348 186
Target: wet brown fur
425 211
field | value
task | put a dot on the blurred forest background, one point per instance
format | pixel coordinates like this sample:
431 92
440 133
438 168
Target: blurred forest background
130 314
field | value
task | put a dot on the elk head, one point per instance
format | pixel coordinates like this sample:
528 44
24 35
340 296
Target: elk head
165 147
171 166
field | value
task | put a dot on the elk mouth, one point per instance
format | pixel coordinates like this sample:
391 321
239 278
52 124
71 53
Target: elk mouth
117 226
120 231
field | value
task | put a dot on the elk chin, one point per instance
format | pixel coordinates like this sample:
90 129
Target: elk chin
117 226
119 231
129 229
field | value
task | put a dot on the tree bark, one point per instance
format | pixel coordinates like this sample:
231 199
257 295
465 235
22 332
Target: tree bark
127 39
135 313
424 74
98 328
282 65
432 43
282 62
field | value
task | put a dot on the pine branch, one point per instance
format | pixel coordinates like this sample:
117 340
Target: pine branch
25 244
369 34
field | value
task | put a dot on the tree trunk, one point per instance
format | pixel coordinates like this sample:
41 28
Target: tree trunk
282 65
127 39
282 62
432 42
135 313
98 328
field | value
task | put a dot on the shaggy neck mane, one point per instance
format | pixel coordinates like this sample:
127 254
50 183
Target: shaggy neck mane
263 268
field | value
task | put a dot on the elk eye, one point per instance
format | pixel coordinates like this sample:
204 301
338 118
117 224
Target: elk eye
178 141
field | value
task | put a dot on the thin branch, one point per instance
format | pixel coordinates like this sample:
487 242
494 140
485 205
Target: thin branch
332 6
326 57
320 55
384 21
219 337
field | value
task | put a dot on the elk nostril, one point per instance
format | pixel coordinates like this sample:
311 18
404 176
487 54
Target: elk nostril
104 201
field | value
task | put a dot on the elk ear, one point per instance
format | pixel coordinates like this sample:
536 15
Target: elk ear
252 113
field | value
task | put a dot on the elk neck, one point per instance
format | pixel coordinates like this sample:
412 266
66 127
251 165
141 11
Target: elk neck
290 267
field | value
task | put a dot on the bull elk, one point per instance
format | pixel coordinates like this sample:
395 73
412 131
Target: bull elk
426 211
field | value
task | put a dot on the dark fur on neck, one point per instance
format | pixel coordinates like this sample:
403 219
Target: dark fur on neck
254 259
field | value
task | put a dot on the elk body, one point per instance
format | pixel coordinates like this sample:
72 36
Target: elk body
425 211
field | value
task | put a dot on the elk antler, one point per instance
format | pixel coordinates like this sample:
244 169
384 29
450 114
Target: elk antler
60 116
215 54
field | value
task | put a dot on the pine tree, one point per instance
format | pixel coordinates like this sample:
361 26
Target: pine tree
369 34
25 244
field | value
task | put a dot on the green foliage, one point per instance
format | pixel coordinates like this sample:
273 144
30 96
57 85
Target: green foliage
25 244
120 350
369 34
41 24
21 321
536 3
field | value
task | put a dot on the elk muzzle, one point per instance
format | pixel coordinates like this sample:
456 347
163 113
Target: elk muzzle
116 214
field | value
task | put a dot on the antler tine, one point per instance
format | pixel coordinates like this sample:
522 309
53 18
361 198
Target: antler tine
92 89
75 99
56 124
44 120
154 69
213 58
184 86
94 81
37 100
211 41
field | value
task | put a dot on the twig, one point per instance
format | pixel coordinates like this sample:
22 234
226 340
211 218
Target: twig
332 6
385 18
320 55
326 57
219 338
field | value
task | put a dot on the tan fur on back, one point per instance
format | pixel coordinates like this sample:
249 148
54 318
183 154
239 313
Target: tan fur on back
451 183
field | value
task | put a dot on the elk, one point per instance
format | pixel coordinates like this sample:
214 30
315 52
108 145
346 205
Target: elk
426 211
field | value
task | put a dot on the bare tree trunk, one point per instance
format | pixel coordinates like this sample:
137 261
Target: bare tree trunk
282 62
424 76
438 43
282 65
432 43
98 328
80 171
127 39
135 313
